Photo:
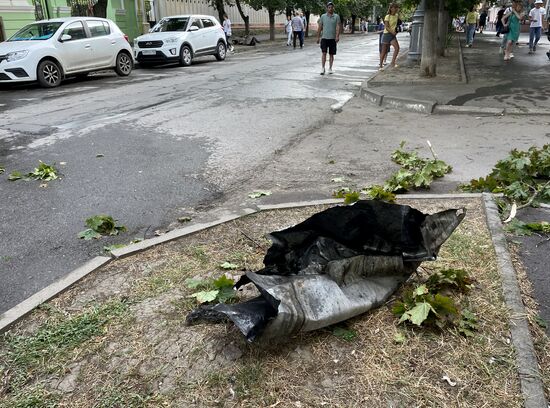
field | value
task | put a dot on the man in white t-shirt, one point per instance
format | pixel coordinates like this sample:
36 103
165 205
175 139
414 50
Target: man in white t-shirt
536 17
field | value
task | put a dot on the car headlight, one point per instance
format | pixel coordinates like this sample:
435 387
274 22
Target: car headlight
16 55
171 40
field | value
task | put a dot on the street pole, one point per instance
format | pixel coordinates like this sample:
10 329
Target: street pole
415 46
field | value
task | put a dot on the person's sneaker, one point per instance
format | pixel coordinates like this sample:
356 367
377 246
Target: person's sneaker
322 71
511 55
534 48
330 71
530 51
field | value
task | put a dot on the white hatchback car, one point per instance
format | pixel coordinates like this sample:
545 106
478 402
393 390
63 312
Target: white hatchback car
180 39
47 51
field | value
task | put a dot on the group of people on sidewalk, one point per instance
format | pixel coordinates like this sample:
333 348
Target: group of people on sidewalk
295 28
508 23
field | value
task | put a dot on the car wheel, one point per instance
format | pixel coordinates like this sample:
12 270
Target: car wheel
48 74
186 56
124 64
221 51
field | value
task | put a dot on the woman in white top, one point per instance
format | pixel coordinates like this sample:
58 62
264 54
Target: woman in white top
288 30
227 31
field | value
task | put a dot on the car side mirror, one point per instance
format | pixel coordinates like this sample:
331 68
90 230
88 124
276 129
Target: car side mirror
193 28
65 37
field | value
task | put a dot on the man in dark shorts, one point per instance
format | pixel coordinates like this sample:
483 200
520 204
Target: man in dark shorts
328 34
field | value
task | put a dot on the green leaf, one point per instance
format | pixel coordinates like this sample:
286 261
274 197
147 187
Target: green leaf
223 282
540 322
104 225
258 194
225 294
341 193
399 338
113 247
229 266
184 219
378 192
205 296
352 197
2 169
88 234
420 290
418 314
193 283
15 175
44 172
344 333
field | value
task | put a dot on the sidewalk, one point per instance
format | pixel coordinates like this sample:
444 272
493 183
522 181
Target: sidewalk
470 80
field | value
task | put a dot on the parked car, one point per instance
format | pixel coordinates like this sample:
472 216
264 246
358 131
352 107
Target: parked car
407 26
48 51
181 39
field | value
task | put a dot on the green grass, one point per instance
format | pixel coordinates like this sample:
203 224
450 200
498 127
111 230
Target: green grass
49 349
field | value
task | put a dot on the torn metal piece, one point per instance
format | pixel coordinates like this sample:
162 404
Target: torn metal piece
335 265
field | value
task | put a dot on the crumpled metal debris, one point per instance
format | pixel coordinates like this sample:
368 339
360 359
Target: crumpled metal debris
335 265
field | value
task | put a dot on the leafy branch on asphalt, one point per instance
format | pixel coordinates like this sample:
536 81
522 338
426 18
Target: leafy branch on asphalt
212 290
100 225
432 304
44 172
523 178
415 173
518 227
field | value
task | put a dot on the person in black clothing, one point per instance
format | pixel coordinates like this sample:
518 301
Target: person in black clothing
499 24
482 20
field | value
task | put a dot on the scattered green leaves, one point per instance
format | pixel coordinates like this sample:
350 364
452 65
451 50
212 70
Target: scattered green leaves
258 194
348 195
44 172
99 225
15 175
184 219
220 290
378 192
415 172
425 306
523 177
518 227
344 333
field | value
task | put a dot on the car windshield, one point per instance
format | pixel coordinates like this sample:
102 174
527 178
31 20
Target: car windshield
171 24
36 31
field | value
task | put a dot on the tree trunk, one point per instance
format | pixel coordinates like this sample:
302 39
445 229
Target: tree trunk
307 13
271 13
246 19
219 6
442 29
428 61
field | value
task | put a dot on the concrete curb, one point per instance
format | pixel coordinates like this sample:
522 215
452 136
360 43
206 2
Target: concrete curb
463 74
19 311
177 233
470 110
527 364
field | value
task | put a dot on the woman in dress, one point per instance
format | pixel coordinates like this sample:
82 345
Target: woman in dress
513 22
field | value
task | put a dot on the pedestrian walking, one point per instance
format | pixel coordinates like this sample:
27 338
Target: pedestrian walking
472 20
227 31
482 20
389 37
288 30
380 31
499 22
328 35
536 17
513 22
304 22
297 28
